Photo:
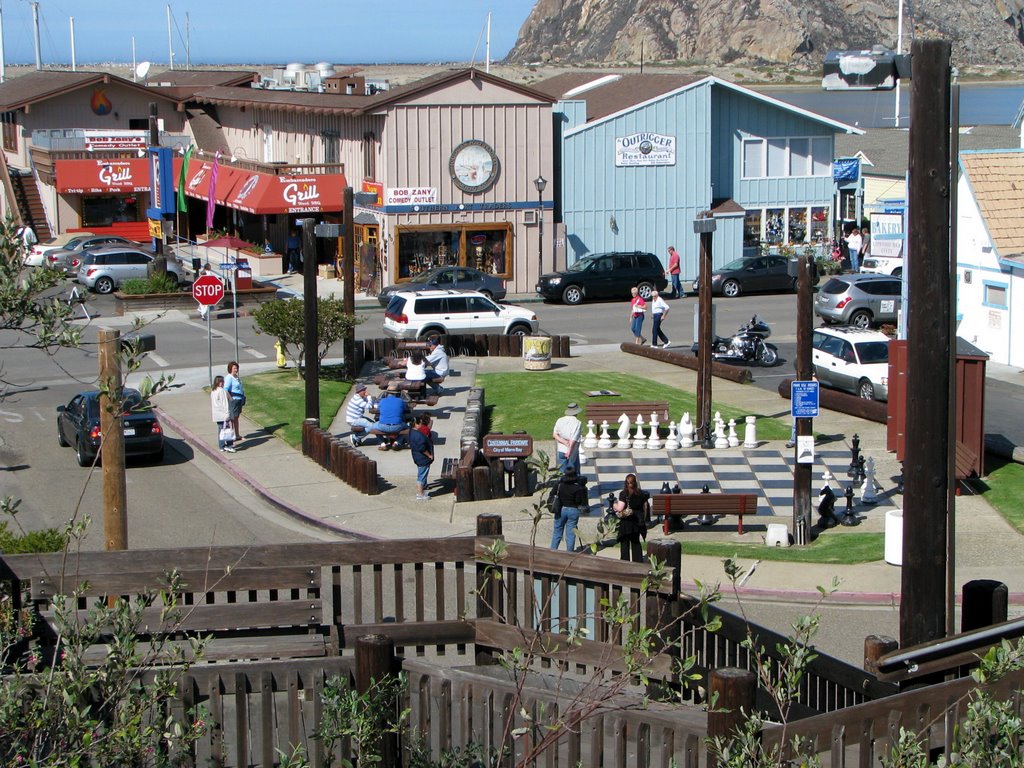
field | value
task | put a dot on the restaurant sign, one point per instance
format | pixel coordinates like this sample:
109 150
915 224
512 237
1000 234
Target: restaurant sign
97 140
498 446
645 148
99 176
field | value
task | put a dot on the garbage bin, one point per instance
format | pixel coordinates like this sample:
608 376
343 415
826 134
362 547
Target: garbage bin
536 353
243 278
894 537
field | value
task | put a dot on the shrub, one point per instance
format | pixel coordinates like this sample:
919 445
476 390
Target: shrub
155 284
46 540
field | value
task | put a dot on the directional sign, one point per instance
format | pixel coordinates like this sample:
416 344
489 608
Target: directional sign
804 399
208 290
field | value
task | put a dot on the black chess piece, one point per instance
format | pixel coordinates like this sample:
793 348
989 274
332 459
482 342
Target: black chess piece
826 508
854 456
676 488
849 518
705 518
664 487
861 471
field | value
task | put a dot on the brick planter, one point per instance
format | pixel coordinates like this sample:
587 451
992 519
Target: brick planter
183 300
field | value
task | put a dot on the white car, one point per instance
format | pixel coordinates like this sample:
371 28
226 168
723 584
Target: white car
37 253
422 314
852 359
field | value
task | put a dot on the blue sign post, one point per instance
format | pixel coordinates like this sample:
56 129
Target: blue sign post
804 399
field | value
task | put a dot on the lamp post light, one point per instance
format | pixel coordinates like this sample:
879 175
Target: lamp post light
540 182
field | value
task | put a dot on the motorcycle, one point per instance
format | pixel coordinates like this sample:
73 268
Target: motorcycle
748 345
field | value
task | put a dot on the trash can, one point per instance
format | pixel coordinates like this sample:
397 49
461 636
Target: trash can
243 278
536 353
894 537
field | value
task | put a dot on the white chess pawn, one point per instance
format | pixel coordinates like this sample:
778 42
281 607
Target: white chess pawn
869 491
640 441
672 442
750 432
590 441
686 431
624 441
734 440
583 456
654 442
605 440
721 441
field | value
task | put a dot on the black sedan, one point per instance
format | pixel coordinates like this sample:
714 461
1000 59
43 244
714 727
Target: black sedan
748 275
78 425
458 278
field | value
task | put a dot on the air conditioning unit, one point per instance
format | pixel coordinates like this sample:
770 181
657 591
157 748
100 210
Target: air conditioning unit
529 217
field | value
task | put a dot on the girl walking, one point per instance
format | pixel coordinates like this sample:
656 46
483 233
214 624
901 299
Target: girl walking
637 308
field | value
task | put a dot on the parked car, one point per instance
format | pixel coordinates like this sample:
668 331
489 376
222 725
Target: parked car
421 315
852 359
859 300
104 269
883 265
604 276
65 258
460 278
750 274
78 426
36 255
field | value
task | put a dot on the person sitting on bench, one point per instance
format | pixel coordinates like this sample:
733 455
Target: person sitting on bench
437 364
415 366
391 420
356 414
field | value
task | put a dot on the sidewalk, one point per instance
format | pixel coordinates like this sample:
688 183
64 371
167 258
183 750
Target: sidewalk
986 546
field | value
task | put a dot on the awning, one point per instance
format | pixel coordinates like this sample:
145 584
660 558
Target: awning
98 176
266 193
197 182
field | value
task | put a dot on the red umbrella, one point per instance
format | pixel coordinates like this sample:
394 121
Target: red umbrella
227 242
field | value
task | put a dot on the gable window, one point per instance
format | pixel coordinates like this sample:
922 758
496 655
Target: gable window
369 155
787 157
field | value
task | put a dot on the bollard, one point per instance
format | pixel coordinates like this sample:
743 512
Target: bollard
521 478
503 345
481 484
497 471
337 448
463 483
563 346
733 691
493 345
370 479
515 346
875 647
661 613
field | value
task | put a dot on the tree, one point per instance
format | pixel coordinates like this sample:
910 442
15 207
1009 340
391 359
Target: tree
287 321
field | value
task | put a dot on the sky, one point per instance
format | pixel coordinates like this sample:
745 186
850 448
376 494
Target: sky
263 32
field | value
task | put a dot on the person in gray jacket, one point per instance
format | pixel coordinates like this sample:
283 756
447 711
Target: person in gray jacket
572 492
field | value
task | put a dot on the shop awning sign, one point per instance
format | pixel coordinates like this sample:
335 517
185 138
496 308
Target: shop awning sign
269 194
197 183
645 148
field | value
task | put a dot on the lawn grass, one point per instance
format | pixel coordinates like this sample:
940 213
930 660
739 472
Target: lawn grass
527 402
276 400
1003 488
834 548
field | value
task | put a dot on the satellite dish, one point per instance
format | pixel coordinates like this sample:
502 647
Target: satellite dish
143 69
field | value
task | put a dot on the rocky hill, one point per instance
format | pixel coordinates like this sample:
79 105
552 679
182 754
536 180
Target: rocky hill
751 32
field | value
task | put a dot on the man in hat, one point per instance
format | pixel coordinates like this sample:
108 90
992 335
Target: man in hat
567 433
391 420
357 414
437 362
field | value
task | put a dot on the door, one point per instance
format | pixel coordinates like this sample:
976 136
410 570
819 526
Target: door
486 315
605 276
776 274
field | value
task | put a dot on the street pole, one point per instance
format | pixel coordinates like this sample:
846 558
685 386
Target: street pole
540 237
802 471
349 277
312 342
115 490
704 225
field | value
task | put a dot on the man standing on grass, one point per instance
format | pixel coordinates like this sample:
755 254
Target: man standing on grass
421 446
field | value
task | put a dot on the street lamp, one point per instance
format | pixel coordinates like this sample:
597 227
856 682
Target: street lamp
540 182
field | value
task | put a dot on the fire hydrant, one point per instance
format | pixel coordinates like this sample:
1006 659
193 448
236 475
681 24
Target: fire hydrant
282 361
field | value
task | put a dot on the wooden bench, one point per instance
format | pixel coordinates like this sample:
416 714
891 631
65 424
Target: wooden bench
611 410
683 504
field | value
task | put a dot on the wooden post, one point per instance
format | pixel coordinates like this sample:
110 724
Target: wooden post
311 337
875 647
497 470
704 344
488 599
923 607
663 613
985 602
735 689
349 287
804 427
521 478
115 488
376 662
481 484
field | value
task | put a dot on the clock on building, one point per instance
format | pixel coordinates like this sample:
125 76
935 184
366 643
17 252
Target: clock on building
474 166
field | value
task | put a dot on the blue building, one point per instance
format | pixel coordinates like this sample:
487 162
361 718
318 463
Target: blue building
641 156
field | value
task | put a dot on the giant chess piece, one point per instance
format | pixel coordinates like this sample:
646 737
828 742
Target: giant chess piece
665 488
750 432
734 440
854 456
624 441
583 456
590 441
826 506
605 440
861 472
654 441
869 491
640 440
676 488
686 431
672 441
849 519
721 441
706 518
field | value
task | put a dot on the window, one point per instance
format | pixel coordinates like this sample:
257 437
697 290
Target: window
995 296
799 157
369 155
753 159
797 225
821 156
10 130
752 228
103 211
483 247
776 157
787 157
819 224
331 141
775 225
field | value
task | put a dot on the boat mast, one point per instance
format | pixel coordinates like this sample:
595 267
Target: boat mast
487 55
899 50
170 48
3 66
71 24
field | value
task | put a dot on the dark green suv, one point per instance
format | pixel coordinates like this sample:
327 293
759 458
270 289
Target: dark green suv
604 276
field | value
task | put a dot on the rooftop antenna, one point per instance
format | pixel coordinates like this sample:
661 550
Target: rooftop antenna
142 70
487 48
71 20
35 27
170 49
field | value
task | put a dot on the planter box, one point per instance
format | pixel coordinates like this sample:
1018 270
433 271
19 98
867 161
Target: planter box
125 303
263 264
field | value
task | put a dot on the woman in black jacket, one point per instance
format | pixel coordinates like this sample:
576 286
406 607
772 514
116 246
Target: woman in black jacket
572 492
631 509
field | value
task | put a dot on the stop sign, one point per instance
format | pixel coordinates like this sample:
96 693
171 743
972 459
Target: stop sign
208 290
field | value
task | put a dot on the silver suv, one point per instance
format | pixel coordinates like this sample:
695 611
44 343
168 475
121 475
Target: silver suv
859 300
104 269
421 315
853 360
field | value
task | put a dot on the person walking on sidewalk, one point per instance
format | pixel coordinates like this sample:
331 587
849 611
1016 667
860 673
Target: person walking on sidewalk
572 492
421 446
673 272
294 248
659 311
233 386
637 308
221 409
567 433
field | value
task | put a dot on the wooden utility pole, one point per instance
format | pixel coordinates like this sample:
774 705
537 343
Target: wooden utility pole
802 472
311 318
349 276
926 469
705 227
115 490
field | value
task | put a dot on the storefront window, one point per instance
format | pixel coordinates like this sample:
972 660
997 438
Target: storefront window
752 228
104 211
797 225
819 224
775 225
486 248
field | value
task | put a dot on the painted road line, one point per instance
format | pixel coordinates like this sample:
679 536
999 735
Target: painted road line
157 359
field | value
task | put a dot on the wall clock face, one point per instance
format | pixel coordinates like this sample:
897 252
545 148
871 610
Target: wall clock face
474 166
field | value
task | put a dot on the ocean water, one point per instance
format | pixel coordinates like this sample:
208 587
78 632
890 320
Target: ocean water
979 104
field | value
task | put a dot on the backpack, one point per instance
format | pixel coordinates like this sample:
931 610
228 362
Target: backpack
554 502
